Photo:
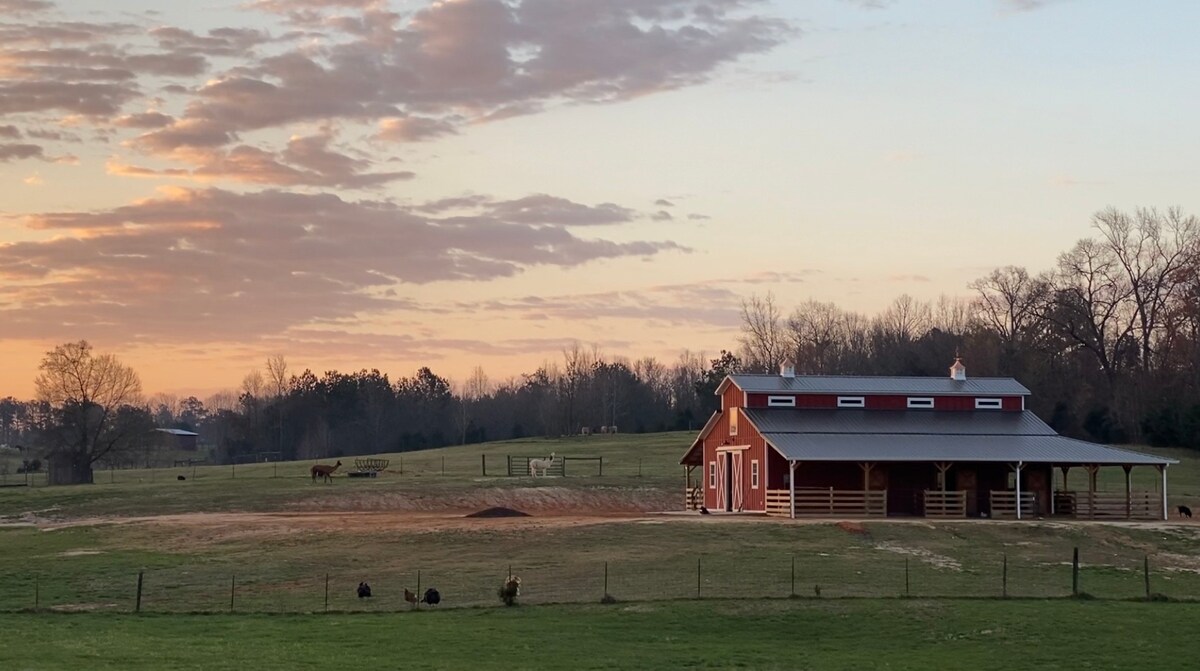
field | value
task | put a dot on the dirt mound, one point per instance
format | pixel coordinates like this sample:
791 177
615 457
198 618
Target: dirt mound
498 511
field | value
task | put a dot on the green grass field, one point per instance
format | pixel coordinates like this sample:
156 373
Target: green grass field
779 634
269 539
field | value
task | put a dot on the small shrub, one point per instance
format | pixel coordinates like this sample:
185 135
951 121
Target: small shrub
608 599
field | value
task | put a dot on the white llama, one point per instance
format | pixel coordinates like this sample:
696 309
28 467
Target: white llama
544 464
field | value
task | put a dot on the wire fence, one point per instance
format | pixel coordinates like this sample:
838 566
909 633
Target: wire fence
205 589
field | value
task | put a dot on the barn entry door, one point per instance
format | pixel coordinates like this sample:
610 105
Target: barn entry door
729 481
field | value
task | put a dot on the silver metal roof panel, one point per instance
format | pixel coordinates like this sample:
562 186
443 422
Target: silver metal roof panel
868 384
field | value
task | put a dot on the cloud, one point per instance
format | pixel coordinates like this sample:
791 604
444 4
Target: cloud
24 6
663 202
662 215
414 129
17 152
10 131
1026 5
144 120
200 265
698 217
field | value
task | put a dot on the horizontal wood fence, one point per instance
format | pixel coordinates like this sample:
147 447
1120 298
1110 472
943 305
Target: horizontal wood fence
693 498
828 503
1109 505
945 504
1004 504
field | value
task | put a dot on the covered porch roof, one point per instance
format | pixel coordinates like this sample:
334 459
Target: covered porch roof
1030 449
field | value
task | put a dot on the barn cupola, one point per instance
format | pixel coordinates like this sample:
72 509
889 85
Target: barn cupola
787 369
958 371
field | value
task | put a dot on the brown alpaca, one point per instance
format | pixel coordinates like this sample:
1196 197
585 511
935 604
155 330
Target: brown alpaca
324 471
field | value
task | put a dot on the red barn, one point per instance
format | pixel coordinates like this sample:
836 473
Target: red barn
834 445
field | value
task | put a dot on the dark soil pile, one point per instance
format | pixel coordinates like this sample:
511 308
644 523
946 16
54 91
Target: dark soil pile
498 512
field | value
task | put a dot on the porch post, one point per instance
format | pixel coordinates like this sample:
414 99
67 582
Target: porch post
792 489
1051 490
1162 468
1128 491
1019 466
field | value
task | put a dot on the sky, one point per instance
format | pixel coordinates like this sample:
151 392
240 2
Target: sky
196 186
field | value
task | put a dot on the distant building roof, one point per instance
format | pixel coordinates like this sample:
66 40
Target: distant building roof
179 432
872 384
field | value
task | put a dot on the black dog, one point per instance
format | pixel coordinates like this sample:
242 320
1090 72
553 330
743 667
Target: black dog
180 477
364 590
1184 511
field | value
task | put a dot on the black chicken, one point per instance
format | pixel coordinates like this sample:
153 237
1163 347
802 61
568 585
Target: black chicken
364 590
432 597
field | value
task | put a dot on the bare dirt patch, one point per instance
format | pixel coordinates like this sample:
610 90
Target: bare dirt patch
931 558
79 553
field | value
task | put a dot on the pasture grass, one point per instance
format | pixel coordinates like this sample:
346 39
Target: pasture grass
895 634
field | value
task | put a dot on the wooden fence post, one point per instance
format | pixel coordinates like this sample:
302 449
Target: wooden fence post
1146 573
1004 583
443 465
793 576
605 578
326 592
138 605
1075 573
697 577
483 464
232 590
418 604
36 594
906 592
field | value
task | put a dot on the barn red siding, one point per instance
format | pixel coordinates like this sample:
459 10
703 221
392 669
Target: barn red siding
816 401
753 500
886 402
954 403
1012 403
733 397
756 400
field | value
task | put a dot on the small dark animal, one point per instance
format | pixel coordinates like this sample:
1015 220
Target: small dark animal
364 590
180 477
704 511
410 597
432 597
1184 511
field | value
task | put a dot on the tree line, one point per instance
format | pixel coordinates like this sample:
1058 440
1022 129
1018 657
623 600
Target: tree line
1108 341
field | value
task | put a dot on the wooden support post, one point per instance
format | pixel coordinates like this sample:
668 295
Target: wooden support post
792 490
1128 491
1162 468
1020 467
866 467
1093 470
1052 497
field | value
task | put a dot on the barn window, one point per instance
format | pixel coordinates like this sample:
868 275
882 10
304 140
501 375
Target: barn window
754 474
920 402
988 404
852 402
712 475
733 421
781 401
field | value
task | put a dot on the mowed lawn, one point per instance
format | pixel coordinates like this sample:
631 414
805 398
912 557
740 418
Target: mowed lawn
775 634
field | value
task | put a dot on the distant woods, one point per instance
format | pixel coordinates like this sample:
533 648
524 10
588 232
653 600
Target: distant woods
1108 341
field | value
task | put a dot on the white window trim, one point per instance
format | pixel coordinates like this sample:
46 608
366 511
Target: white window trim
852 402
781 401
989 404
920 401
754 474
712 475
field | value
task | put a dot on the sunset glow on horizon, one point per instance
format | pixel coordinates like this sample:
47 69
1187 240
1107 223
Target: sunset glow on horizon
393 184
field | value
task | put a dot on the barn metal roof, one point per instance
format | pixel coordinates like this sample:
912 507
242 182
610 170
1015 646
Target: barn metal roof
1041 449
897 422
179 432
867 384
